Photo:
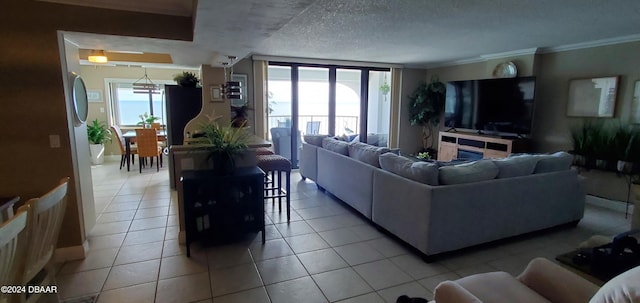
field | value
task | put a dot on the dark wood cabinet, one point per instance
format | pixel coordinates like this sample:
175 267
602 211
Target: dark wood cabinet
183 104
218 209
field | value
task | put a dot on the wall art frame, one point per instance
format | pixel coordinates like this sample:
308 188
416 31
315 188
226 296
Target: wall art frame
592 97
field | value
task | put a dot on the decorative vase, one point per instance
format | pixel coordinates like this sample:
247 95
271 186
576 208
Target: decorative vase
97 153
624 166
601 164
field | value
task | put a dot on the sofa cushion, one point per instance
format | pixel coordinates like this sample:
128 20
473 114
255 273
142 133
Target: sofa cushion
423 172
480 170
517 166
499 287
366 153
336 146
314 139
555 162
623 288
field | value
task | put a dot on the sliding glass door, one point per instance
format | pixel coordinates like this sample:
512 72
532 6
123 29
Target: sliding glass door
346 102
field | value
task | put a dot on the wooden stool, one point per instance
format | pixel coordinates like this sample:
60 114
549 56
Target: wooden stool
272 164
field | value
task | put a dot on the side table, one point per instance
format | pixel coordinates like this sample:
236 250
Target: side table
220 208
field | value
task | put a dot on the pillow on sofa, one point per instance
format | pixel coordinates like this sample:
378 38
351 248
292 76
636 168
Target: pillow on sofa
516 166
622 288
555 162
480 170
423 172
336 146
366 153
314 139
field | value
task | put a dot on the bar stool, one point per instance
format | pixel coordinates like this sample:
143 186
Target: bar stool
263 151
272 164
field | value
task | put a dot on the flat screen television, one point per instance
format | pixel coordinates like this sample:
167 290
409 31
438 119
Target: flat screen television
494 106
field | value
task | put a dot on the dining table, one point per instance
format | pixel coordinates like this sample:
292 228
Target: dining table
6 207
130 136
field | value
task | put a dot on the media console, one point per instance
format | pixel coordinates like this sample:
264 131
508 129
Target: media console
471 146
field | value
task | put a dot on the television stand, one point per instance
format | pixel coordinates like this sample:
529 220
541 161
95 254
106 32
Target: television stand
452 145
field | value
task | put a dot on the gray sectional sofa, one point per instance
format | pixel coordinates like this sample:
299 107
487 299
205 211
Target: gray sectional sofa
460 206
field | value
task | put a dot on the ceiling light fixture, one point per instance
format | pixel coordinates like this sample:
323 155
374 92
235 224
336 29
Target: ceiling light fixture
232 89
144 85
97 56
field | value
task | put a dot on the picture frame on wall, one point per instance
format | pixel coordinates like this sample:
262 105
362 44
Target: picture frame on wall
592 97
216 93
242 78
635 103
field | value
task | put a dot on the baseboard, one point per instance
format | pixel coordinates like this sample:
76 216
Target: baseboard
619 206
71 253
182 237
112 158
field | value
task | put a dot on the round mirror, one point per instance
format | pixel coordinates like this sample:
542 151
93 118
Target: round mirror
79 98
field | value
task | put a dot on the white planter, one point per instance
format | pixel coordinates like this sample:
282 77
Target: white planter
97 153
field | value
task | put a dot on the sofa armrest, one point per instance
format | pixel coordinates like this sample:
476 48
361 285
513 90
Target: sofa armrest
555 283
449 291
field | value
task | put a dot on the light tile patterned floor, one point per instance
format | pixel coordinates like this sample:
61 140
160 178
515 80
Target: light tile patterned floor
326 254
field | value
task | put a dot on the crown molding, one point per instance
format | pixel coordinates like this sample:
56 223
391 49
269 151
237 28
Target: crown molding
325 61
483 58
596 43
515 53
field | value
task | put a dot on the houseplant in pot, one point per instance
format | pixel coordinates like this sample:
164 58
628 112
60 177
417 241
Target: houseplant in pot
98 133
627 147
240 115
225 142
186 79
425 109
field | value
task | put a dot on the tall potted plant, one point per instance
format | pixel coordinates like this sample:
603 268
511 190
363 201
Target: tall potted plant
98 133
426 107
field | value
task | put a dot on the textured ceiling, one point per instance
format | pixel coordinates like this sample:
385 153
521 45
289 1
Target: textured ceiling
411 32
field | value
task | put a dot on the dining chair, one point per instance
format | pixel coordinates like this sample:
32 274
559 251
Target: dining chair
121 143
45 219
147 140
162 141
13 245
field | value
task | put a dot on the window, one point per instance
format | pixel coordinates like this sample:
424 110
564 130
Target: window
127 106
343 101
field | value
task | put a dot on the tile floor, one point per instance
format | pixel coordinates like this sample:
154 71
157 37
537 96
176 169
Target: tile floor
326 253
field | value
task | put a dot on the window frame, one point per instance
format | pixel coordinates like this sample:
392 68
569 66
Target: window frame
112 107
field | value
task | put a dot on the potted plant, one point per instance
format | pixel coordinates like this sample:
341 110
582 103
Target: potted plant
187 79
425 108
628 148
240 115
225 142
147 120
98 133
385 89
585 138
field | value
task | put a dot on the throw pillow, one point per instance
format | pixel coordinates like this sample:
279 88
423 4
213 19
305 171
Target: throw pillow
336 146
516 166
366 153
555 162
480 170
423 172
314 139
622 288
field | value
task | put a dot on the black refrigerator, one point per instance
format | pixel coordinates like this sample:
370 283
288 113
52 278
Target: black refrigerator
183 104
